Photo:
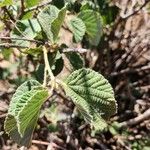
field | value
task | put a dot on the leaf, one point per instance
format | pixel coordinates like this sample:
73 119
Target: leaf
93 96
46 17
75 59
59 3
34 51
56 24
89 5
24 110
5 3
51 19
25 29
77 26
56 62
93 25
27 15
31 3
39 73
114 128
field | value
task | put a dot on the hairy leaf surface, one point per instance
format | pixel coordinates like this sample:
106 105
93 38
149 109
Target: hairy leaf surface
24 110
93 25
51 19
93 96
77 26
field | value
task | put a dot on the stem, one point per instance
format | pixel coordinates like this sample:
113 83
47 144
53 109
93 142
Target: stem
48 69
45 77
22 7
8 45
135 11
137 119
26 39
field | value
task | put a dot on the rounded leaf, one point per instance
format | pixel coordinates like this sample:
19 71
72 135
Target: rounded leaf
92 94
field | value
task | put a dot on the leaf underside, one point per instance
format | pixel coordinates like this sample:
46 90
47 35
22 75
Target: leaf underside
24 111
51 19
77 26
93 96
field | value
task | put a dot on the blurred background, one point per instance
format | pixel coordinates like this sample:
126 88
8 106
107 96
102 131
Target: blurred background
122 55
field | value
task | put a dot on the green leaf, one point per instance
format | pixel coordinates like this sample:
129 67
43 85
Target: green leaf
27 15
5 3
46 17
114 128
31 3
25 29
56 62
77 26
59 3
51 19
34 51
93 96
28 4
56 24
93 25
75 60
24 110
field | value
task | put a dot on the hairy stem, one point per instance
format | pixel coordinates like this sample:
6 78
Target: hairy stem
48 69
45 77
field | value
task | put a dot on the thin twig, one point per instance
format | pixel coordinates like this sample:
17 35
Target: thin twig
40 142
137 119
21 9
52 144
38 6
146 87
79 50
22 6
9 45
136 11
130 70
18 29
25 39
